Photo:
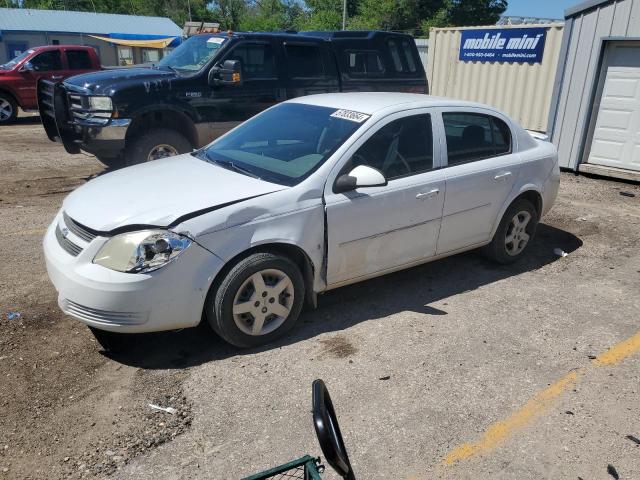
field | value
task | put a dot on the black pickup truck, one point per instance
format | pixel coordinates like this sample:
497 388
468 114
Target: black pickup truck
211 83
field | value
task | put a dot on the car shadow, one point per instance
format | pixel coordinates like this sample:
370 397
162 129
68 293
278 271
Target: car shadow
413 289
26 119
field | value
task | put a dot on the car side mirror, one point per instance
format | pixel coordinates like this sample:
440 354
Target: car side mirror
230 73
360 177
27 67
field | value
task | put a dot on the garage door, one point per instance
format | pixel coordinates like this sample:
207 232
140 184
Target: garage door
616 137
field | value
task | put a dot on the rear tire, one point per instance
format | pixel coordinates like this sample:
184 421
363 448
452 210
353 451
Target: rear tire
514 234
8 109
155 144
111 341
246 311
112 163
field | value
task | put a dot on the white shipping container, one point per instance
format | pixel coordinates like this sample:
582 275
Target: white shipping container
523 90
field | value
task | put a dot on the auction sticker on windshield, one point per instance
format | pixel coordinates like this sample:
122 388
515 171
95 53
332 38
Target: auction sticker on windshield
350 115
217 40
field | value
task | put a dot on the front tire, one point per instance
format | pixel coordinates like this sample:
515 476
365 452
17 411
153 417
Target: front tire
8 109
514 234
258 300
155 144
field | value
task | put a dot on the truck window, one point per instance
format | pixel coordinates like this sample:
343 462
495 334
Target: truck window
257 60
47 61
78 60
361 62
408 55
395 55
402 55
304 61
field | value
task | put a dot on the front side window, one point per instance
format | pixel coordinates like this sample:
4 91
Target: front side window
285 144
257 60
47 61
400 148
474 136
304 61
78 60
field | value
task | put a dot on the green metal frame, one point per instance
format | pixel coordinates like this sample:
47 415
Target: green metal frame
312 469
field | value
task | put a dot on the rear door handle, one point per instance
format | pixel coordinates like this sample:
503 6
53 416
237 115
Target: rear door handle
429 194
502 176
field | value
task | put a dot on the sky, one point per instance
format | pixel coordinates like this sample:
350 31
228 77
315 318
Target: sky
539 8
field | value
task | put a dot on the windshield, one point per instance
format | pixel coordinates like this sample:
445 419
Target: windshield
194 53
12 63
286 143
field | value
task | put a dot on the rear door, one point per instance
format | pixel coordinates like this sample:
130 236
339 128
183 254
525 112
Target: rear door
78 61
309 67
480 172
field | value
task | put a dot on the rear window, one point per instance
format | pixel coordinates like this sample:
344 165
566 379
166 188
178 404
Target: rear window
474 136
363 62
78 60
304 61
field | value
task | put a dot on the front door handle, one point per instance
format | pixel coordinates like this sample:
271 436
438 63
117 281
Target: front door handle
429 194
56 77
502 176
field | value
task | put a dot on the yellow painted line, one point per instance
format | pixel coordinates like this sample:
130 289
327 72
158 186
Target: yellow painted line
618 352
39 231
499 431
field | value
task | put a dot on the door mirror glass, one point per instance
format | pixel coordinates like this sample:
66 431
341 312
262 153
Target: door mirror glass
27 67
360 177
229 73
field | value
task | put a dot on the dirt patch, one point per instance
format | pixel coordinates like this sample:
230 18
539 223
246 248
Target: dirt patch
337 347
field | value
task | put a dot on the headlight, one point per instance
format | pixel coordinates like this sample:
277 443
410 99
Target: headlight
143 251
100 103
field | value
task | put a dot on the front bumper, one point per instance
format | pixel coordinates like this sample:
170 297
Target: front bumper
169 298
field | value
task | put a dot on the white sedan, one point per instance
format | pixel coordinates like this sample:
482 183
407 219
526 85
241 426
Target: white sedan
312 194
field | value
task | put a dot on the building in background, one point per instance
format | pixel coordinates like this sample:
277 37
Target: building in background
119 39
595 112
512 68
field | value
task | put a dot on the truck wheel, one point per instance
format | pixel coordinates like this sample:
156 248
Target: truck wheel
156 144
8 109
258 300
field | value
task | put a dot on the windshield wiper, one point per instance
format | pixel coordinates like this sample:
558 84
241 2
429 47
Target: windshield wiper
232 166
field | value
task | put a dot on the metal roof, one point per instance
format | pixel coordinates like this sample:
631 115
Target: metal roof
31 20
583 6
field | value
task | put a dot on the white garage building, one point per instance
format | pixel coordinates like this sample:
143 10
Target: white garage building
595 109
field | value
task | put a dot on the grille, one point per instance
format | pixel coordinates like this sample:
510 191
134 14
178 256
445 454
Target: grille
102 316
77 108
67 245
46 99
80 230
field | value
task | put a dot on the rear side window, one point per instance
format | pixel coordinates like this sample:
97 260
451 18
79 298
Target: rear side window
78 60
362 62
304 61
401 148
257 60
474 136
47 61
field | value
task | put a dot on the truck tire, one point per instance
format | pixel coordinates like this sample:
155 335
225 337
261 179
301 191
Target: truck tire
8 109
154 144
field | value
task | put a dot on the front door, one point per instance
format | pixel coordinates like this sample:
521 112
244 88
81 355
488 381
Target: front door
371 230
47 64
481 171
616 138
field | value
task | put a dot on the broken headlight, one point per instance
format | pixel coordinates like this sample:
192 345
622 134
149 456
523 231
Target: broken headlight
100 103
143 251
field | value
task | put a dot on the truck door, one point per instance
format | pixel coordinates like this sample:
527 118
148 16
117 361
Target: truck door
261 82
47 64
309 67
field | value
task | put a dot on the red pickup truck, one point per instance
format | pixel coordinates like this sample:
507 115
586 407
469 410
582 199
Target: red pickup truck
19 77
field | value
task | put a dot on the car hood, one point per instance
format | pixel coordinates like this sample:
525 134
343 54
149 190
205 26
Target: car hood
160 193
104 82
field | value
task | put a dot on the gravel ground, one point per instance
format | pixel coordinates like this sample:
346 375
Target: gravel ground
417 362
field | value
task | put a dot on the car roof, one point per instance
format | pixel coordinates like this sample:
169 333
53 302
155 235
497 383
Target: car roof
42 48
371 102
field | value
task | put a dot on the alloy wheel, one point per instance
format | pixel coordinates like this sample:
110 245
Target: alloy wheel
161 151
6 110
263 302
517 237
